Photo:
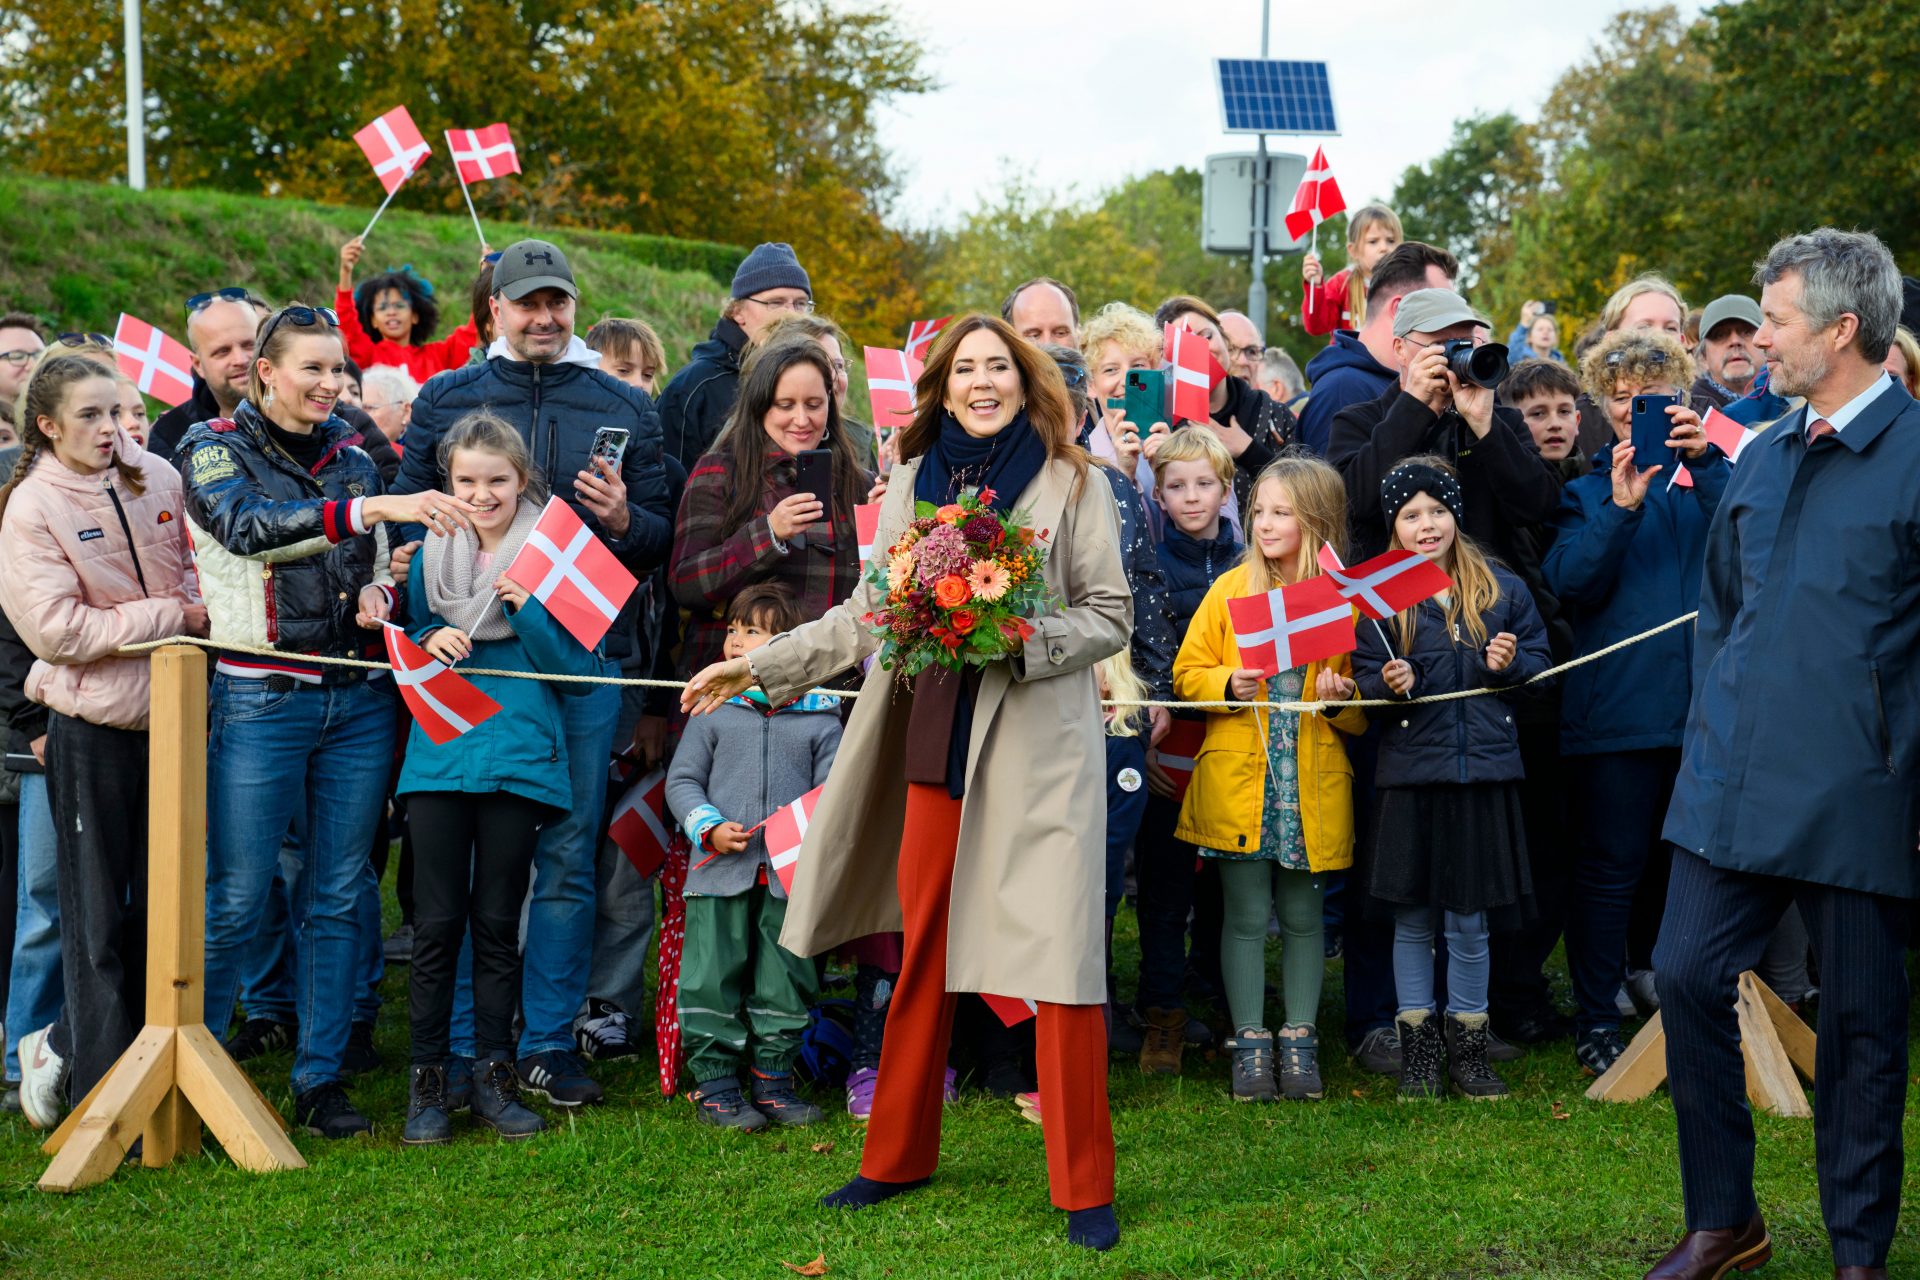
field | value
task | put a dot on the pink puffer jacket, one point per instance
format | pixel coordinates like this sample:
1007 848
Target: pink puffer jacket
87 566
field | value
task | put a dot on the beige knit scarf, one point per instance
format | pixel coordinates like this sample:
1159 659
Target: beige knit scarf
459 594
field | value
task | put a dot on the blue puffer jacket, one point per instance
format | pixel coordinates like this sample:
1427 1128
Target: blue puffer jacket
1465 739
1188 566
523 749
1617 573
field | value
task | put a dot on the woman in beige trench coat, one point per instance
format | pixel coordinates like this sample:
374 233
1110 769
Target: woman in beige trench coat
970 813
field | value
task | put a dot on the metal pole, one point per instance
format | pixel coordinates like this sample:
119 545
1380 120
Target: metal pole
136 100
1262 203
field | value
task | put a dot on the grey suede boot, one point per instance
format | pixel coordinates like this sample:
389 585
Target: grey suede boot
1252 1052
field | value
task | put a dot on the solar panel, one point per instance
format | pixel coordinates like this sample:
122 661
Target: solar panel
1261 96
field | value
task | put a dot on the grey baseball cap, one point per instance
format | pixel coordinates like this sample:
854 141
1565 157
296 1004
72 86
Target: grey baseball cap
1734 306
1431 310
526 265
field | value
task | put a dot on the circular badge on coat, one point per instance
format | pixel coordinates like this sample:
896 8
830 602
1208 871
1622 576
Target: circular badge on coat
1129 779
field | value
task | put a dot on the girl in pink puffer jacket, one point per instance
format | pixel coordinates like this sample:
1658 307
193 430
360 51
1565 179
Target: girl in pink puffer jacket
95 556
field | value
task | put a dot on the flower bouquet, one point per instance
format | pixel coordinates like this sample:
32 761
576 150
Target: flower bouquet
958 587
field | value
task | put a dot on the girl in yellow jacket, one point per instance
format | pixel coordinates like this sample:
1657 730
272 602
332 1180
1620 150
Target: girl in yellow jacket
1272 793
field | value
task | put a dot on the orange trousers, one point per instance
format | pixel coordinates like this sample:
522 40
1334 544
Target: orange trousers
903 1135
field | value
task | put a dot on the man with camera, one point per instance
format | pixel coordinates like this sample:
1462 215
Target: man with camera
1443 404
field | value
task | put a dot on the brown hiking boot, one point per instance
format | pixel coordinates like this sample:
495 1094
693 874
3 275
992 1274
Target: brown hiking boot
1165 1036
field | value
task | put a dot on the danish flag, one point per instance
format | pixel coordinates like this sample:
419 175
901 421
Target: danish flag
786 831
1292 625
480 154
1013 1010
570 571
639 826
1383 586
158 365
1721 430
1195 373
1177 751
920 336
443 704
866 519
890 378
394 147
1317 199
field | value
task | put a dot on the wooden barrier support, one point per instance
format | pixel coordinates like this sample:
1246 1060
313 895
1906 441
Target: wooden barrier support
1773 1042
175 1074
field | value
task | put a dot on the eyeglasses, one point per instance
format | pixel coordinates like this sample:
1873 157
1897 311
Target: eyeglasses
100 340
301 317
232 293
17 357
1251 353
800 305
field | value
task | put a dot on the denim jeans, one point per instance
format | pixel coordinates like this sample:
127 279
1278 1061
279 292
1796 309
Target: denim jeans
266 975
558 958
623 911
317 753
38 980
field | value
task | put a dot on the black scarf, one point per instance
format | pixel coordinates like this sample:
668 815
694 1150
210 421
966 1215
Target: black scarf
1005 462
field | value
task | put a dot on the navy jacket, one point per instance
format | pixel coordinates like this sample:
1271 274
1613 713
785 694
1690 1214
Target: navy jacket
1616 573
558 408
694 405
1465 739
1802 752
1342 373
1188 567
1154 642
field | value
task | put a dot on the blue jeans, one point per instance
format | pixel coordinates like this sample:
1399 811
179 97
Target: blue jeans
319 754
37 987
266 978
558 958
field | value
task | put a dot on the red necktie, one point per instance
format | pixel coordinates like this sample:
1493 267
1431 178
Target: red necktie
1817 428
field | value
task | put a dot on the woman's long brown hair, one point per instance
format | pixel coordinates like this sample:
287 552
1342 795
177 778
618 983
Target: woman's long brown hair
745 443
1049 408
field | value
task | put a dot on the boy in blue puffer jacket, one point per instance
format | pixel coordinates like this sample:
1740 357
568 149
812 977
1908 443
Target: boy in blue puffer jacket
738 986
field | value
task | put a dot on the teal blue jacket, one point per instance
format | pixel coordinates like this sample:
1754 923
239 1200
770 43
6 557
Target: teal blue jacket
523 749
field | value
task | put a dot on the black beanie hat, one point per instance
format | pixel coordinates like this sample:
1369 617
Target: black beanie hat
1401 484
770 266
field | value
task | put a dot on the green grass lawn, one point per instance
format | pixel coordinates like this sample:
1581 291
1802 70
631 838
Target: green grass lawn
1544 1184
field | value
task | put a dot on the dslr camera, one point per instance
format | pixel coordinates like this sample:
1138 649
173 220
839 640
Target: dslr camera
1483 366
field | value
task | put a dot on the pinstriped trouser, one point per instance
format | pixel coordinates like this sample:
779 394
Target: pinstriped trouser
1717 925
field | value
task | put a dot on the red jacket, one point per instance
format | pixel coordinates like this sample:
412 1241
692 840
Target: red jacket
422 361
1323 307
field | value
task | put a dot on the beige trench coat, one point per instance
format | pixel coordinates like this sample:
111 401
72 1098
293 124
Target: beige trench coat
1029 876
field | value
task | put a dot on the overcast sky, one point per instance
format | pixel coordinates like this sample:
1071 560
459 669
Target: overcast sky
1084 93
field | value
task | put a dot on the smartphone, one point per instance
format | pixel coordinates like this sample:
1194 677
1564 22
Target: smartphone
813 473
1146 399
1651 427
1546 308
610 443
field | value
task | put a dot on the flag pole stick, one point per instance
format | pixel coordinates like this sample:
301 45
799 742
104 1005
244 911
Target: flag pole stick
1383 637
382 209
478 234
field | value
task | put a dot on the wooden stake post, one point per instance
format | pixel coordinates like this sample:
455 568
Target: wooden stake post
175 1074
1773 1042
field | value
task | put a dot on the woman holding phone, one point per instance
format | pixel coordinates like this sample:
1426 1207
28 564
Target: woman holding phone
1628 550
746 517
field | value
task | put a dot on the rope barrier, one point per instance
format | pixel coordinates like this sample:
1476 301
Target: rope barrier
135 650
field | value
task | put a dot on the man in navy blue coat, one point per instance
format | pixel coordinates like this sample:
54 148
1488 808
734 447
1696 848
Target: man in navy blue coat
1800 778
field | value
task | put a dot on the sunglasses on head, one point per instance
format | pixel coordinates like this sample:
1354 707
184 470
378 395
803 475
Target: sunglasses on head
300 317
85 340
232 293
1075 375
1656 357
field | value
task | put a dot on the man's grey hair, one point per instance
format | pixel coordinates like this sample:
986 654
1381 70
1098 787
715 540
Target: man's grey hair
394 384
1841 273
1278 364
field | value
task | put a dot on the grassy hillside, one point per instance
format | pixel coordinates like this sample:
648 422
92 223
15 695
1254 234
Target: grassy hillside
78 254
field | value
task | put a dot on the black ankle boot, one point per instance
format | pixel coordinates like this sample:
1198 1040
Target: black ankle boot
1422 1055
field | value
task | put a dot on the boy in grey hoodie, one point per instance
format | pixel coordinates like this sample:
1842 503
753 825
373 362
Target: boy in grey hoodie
738 985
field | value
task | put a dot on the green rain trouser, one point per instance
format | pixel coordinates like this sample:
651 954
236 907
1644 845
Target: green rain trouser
738 983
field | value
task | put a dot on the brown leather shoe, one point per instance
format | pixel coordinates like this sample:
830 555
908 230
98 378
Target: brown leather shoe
1710 1255
1859 1273
1164 1038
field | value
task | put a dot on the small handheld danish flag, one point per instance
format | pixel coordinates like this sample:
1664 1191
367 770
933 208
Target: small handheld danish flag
1292 625
1721 429
480 154
158 365
569 570
639 826
1317 199
1194 372
920 335
444 705
1177 752
786 831
866 519
394 147
1385 585
1012 1010
890 378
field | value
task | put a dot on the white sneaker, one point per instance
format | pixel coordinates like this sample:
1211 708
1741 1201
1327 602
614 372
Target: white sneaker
43 1080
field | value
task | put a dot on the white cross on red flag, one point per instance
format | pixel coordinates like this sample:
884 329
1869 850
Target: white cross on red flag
394 147
890 378
1383 586
786 830
480 154
639 826
1722 430
1012 1010
444 705
1292 625
1177 752
920 336
570 571
866 520
158 365
1193 371
1317 199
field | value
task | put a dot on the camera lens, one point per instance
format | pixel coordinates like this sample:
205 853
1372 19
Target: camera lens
1484 366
